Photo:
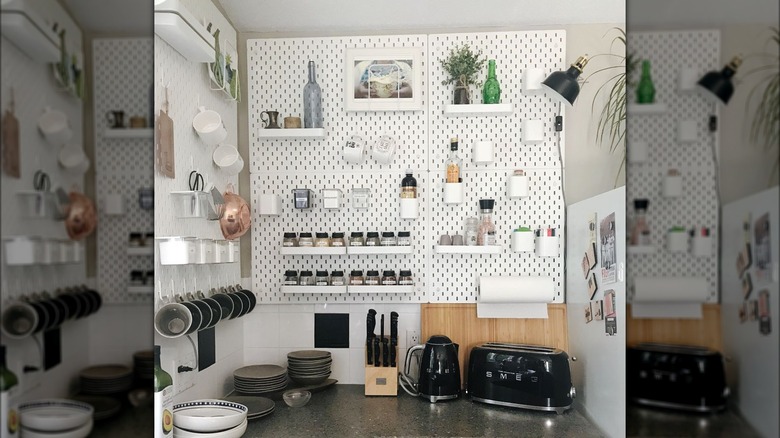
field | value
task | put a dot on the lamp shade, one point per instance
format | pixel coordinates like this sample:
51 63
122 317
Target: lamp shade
564 84
718 83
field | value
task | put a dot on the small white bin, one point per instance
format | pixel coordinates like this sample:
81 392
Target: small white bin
686 131
637 152
270 205
523 241
532 79
408 208
517 185
177 250
453 193
677 241
482 152
532 130
673 185
547 246
701 246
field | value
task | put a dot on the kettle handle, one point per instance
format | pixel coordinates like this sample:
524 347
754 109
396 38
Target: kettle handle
409 354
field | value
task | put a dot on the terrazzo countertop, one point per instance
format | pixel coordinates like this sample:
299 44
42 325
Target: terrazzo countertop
648 422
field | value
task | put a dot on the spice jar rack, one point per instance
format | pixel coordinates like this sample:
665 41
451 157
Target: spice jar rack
352 245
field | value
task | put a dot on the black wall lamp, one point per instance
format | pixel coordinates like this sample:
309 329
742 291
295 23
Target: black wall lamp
564 84
718 83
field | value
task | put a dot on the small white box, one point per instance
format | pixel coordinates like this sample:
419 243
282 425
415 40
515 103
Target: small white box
677 241
532 130
701 246
114 205
177 250
331 198
453 193
686 131
547 246
483 152
517 186
270 205
408 208
205 251
21 250
687 79
637 151
532 79
673 186
523 241
234 248
222 251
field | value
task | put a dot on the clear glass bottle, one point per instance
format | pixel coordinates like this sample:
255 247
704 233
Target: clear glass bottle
356 239
322 240
389 278
372 278
486 235
372 238
322 279
356 278
453 162
305 240
388 239
645 91
290 240
404 238
290 278
338 240
306 279
337 278
491 91
640 231
409 185
163 399
405 279
312 100
472 229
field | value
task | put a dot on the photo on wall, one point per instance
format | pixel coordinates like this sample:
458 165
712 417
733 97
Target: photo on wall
608 250
610 317
763 250
764 319
381 79
596 309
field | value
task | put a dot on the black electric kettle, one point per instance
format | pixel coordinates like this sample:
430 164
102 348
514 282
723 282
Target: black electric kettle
439 370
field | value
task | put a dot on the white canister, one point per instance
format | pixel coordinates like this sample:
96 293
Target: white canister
482 152
523 241
384 149
547 246
177 250
637 152
227 158
270 205
673 184
532 130
408 208
20 250
686 131
234 251
54 126
222 250
208 124
354 148
677 241
517 185
114 204
453 193
73 159
687 79
532 79
701 246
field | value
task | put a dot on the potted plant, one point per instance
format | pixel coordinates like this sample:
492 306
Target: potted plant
765 123
462 66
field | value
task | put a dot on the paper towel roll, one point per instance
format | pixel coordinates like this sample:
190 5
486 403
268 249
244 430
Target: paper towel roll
516 289
671 289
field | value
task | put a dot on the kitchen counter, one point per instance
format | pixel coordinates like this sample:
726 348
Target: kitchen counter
649 422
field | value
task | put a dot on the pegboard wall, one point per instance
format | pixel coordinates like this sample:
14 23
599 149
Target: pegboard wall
122 81
669 53
277 73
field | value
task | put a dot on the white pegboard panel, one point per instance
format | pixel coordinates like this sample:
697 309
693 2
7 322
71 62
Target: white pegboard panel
669 53
382 215
122 76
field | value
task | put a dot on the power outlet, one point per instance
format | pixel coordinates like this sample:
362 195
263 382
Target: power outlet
412 338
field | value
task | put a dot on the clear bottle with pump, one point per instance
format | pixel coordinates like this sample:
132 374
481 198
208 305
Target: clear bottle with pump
9 385
486 235
640 231
453 162
163 399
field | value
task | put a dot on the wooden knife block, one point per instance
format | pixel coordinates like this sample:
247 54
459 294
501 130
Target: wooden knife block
382 381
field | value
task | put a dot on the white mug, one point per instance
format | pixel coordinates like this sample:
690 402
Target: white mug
208 125
73 159
54 126
353 149
227 158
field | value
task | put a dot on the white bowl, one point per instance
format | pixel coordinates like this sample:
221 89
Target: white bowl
235 432
79 432
55 415
208 415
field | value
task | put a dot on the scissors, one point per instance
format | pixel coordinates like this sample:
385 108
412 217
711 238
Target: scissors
196 181
41 181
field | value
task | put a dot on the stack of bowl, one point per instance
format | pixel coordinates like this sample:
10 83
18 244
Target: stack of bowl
143 365
55 418
309 367
259 379
209 418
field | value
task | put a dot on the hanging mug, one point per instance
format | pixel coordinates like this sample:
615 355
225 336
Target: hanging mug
116 119
273 119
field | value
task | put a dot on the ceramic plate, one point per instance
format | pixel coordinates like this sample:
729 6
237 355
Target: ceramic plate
208 415
55 415
308 354
106 372
255 405
235 432
259 372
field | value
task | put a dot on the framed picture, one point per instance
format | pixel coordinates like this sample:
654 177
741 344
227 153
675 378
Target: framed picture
588 314
596 309
383 79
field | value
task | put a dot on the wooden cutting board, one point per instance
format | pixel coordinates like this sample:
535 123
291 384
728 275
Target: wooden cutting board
11 144
165 150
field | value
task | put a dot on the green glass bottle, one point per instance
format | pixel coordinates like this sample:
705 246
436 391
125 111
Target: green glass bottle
645 91
163 399
491 91
9 417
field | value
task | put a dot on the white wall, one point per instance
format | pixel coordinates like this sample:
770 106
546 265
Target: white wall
676 14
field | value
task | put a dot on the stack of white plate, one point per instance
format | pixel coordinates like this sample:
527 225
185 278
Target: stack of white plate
106 379
209 418
309 367
259 379
55 418
143 365
259 407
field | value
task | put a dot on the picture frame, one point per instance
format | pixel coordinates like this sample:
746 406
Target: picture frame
383 79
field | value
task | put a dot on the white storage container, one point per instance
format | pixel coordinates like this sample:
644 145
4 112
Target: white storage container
523 241
453 193
677 241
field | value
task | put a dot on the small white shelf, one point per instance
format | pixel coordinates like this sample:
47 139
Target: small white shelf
479 109
466 249
646 108
380 289
140 250
311 133
140 289
129 133
379 249
641 249
306 250
314 289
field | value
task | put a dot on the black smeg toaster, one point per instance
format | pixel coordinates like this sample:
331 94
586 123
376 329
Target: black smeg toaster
521 376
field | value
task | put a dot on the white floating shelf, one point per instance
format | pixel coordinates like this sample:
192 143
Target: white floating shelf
140 289
311 133
129 133
380 289
140 250
379 249
479 109
466 249
314 289
641 249
313 250
646 108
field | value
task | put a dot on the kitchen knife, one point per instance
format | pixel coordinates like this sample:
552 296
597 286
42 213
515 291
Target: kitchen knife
376 352
370 325
383 339
393 337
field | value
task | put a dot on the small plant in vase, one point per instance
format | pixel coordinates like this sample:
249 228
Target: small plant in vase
462 66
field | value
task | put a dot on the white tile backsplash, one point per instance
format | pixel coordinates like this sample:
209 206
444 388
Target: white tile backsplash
256 356
261 330
296 330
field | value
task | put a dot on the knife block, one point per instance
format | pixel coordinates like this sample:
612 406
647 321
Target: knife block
382 381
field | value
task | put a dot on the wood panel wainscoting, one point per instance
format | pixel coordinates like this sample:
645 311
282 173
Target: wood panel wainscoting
459 322
704 332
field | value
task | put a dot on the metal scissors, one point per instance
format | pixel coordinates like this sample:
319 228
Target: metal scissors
196 181
41 181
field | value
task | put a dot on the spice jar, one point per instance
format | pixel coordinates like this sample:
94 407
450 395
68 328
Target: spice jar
338 240
356 239
388 238
356 278
372 278
322 278
337 278
306 240
372 238
290 278
405 278
404 239
290 239
322 240
388 278
306 279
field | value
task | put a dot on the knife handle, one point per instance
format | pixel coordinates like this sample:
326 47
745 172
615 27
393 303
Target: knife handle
393 345
369 352
376 352
385 353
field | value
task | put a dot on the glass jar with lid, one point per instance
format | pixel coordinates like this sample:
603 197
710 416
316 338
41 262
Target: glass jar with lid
290 278
388 238
322 240
372 238
356 239
372 278
405 279
389 278
404 238
337 240
305 240
322 278
337 278
306 279
356 278
290 239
